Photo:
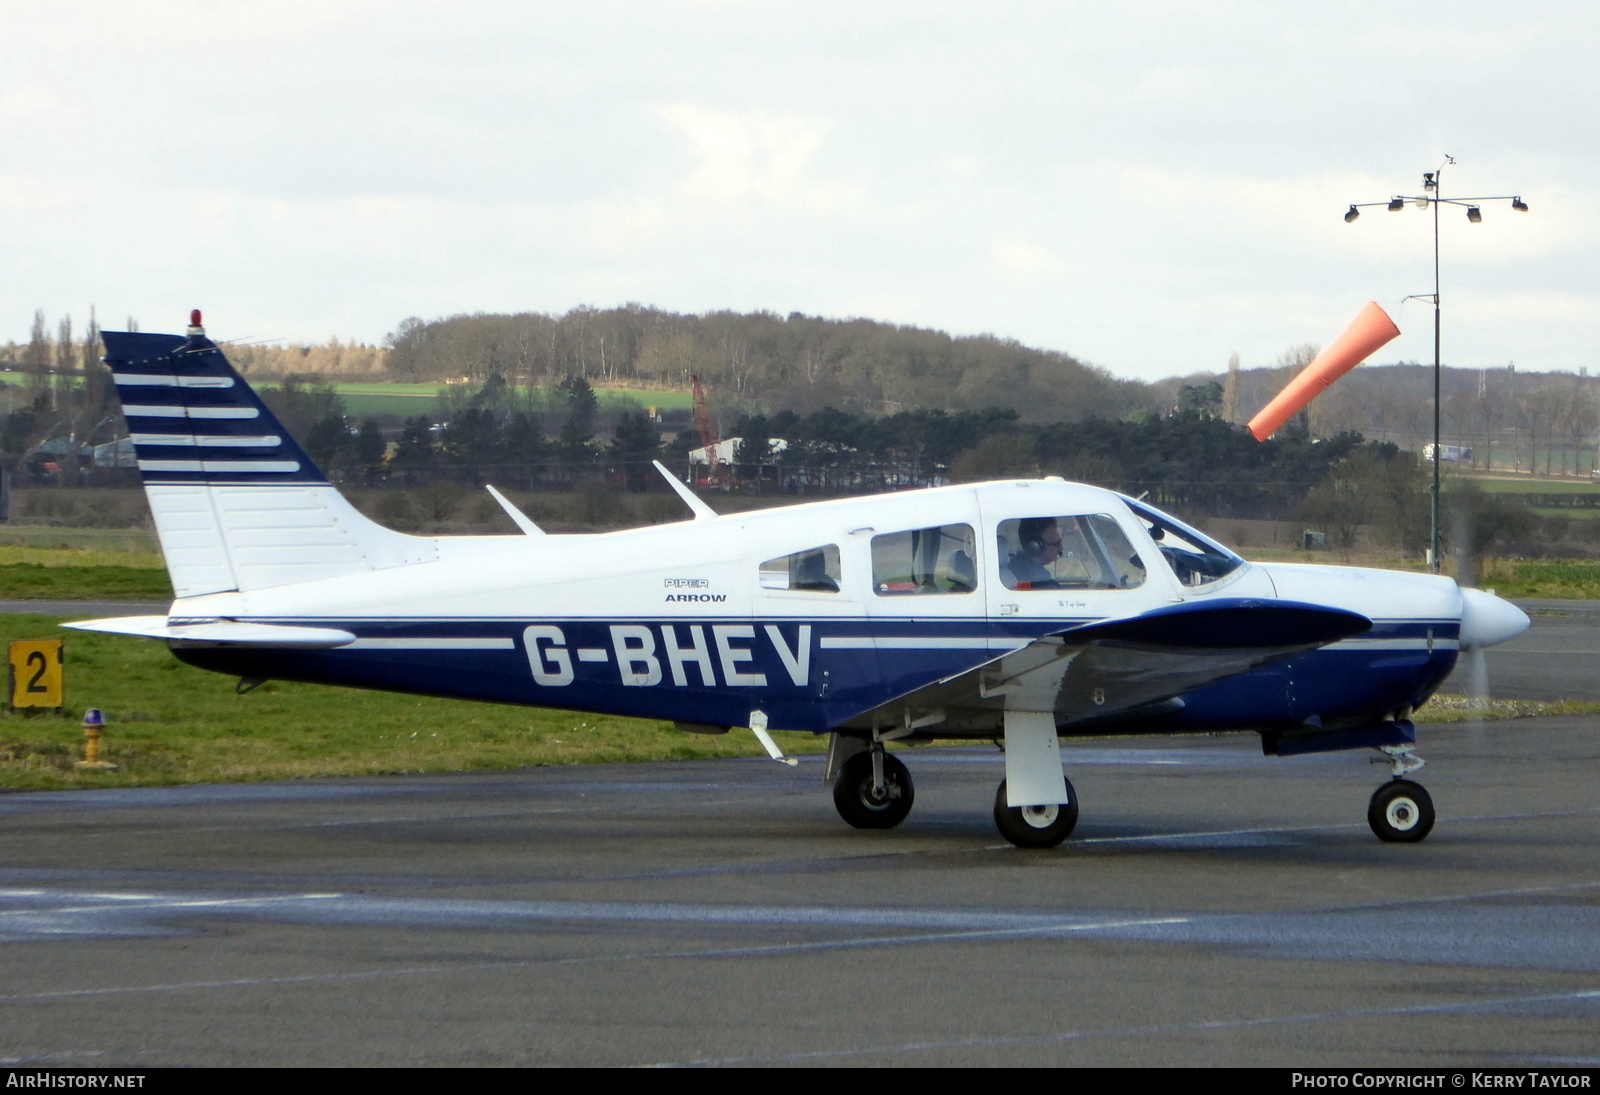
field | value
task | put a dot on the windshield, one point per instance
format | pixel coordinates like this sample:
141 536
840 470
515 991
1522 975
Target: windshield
1194 557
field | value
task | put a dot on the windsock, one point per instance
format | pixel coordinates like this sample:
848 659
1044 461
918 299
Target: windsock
1371 329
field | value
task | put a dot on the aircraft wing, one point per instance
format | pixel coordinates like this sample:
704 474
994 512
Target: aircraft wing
1098 671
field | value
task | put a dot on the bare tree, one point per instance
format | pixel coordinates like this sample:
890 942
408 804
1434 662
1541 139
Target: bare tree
36 358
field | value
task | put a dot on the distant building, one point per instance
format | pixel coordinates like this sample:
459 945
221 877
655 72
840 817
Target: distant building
724 451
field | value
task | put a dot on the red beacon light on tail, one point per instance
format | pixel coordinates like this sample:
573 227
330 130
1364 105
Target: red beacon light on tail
194 323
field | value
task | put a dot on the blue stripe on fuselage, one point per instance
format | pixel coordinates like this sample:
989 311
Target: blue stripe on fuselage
805 674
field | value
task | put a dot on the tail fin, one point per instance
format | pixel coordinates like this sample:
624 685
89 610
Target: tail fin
238 505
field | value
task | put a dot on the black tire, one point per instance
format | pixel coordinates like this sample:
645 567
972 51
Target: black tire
853 796
1401 812
1036 826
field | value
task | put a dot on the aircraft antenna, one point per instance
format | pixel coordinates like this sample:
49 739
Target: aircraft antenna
520 519
702 512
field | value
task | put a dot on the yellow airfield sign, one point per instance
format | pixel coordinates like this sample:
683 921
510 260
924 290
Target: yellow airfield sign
37 673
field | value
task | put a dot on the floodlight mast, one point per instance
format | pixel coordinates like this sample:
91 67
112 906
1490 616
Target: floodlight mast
1432 197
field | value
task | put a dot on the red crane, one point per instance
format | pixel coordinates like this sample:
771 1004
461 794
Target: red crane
716 477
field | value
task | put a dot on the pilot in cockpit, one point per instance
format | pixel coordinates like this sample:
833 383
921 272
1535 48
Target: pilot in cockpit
1054 554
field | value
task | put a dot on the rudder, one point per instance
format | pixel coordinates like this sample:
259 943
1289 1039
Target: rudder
237 503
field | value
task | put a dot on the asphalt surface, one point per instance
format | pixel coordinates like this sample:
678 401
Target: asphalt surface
88 609
1214 907
1557 658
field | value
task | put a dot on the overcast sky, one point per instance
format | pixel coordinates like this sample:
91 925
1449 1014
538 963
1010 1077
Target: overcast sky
1148 187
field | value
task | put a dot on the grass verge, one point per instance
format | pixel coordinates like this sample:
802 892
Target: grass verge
1445 708
43 582
168 723
1550 578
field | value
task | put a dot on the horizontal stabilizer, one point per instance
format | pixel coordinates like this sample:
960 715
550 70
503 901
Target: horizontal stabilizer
221 632
1228 623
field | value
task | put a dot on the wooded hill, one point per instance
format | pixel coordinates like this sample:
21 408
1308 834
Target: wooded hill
761 362
796 363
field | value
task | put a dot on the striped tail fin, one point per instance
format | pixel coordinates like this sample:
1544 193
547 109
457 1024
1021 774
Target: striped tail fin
238 505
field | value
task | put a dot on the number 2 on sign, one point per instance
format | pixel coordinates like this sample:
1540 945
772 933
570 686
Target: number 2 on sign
37 673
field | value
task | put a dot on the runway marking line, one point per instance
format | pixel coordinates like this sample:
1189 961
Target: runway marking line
1034 931
1145 1031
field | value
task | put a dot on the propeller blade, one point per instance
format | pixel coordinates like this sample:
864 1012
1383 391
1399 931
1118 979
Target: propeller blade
1371 329
1477 673
1474 663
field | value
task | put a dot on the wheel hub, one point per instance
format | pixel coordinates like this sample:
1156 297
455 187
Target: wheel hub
874 799
1403 814
1041 817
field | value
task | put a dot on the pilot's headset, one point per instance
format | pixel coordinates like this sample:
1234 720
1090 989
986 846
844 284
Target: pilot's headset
1031 535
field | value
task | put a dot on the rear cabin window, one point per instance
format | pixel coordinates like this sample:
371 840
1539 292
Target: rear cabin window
814 570
1079 551
925 560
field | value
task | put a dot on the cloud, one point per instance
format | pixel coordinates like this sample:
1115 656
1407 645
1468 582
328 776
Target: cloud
747 154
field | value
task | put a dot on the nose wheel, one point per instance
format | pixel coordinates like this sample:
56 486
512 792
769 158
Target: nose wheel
1036 826
1401 812
867 801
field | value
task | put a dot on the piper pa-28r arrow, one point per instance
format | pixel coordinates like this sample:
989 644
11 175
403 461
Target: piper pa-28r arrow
1014 611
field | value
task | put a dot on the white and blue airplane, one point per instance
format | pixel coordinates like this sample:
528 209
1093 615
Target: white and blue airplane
1020 612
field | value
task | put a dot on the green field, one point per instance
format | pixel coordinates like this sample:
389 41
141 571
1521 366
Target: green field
1532 485
1526 485
407 400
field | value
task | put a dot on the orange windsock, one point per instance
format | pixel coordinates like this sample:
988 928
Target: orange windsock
1371 329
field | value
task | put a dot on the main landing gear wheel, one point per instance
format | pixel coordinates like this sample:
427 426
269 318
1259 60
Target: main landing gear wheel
1036 826
1400 812
865 806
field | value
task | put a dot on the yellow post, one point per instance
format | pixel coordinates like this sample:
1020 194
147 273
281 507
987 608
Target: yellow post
93 720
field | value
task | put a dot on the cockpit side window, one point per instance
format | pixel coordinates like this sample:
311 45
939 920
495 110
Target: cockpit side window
1078 551
814 570
925 560
1195 558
